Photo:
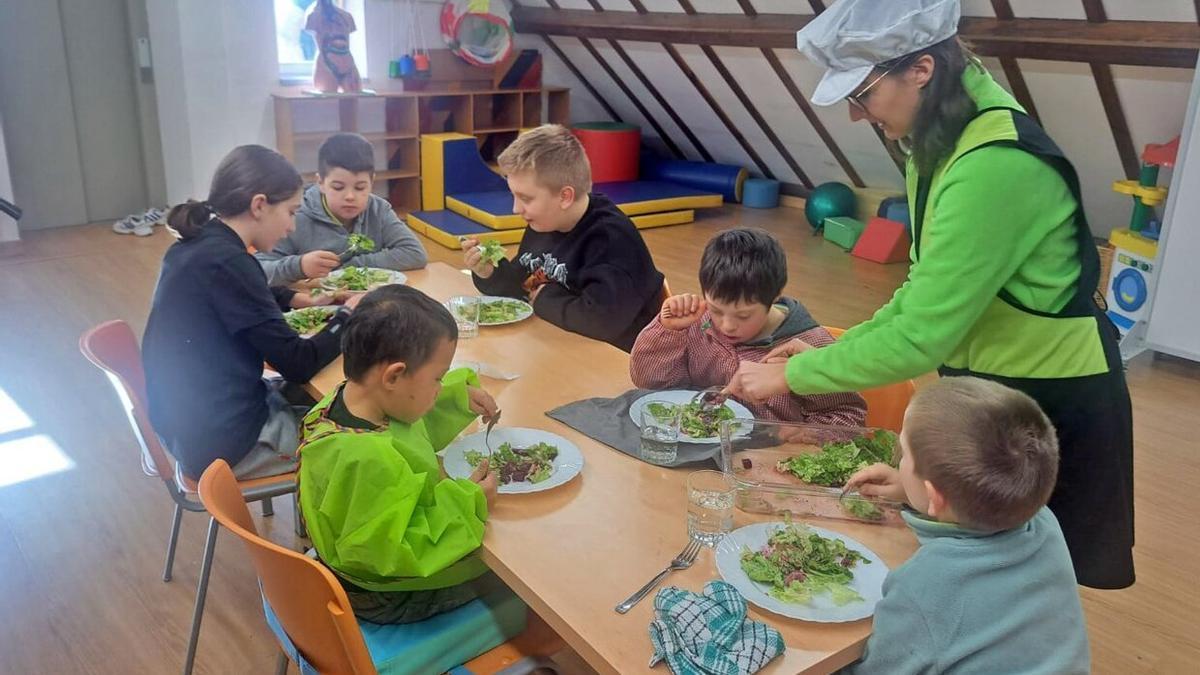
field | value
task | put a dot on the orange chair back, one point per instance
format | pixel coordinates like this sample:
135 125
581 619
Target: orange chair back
886 404
666 293
114 349
307 598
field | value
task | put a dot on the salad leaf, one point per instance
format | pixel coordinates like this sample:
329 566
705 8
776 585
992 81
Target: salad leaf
359 243
861 508
308 320
502 311
837 461
515 465
800 564
357 279
698 422
492 251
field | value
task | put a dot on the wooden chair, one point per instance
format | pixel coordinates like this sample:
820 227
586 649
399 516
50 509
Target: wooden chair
886 404
113 347
311 616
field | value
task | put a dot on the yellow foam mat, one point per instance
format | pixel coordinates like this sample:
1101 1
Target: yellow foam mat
663 219
671 204
509 221
451 241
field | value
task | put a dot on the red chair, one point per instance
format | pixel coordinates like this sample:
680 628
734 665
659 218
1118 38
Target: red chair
113 347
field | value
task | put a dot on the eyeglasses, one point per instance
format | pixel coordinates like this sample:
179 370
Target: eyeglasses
857 99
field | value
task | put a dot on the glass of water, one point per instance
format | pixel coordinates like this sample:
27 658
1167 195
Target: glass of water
710 506
660 432
465 309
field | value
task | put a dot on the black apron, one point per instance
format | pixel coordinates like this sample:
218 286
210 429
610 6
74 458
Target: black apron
1093 496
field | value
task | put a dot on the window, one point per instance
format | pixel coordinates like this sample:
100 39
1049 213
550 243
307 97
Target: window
297 47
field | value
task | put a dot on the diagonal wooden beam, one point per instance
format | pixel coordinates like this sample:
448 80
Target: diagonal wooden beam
579 76
637 103
740 93
1174 44
1107 87
1012 70
790 85
818 6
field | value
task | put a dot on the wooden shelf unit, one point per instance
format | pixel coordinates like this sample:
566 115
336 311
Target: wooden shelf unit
494 116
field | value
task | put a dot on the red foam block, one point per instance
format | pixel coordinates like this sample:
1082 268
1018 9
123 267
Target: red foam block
884 241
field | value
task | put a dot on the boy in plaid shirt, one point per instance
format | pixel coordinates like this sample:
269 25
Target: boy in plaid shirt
697 342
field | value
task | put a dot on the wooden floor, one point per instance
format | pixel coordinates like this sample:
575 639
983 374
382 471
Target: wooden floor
81 549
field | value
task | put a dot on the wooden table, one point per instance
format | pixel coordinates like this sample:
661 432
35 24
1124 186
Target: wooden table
574 552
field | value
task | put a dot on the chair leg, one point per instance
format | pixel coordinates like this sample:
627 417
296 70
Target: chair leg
301 531
201 594
281 664
171 543
268 507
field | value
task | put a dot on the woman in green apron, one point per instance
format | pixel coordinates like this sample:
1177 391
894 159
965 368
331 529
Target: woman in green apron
1003 263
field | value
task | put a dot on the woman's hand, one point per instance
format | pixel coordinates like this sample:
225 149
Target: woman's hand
757 382
787 350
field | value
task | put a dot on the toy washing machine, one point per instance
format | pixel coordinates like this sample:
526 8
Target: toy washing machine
1129 283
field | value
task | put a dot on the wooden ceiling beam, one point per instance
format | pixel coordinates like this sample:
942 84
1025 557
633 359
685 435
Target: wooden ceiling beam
1173 44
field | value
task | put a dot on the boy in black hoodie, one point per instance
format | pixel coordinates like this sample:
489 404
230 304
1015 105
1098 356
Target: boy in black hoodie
582 263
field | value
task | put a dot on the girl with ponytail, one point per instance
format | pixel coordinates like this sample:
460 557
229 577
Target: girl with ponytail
214 320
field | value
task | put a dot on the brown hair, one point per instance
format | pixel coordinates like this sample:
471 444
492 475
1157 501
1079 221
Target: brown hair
945 107
247 170
989 449
553 154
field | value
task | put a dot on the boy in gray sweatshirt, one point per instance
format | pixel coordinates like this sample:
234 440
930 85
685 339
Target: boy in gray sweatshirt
991 589
339 204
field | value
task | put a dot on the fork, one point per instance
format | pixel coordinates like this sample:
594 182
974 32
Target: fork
491 423
709 398
681 562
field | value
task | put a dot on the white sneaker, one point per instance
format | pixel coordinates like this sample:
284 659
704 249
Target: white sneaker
135 225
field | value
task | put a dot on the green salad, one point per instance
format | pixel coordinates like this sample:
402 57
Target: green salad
837 461
861 508
800 564
515 465
308 320
492 251
502 311
694 420
357 279
359 243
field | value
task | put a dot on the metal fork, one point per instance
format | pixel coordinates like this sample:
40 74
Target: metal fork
491 423
681 562
709 398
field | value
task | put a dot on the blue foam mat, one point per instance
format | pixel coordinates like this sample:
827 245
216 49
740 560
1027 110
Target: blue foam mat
451 223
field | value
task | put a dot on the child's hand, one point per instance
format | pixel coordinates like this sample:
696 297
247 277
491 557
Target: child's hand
878 480
473 259
481 402
681 311
533 295
487 480
350 299
316 264
783 352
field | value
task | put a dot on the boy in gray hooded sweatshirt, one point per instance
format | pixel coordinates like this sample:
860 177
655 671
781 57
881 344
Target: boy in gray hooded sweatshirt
339 204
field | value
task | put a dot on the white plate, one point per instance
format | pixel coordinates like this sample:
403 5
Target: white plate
868 578
525 312
682 396
566 466
328 309
394 277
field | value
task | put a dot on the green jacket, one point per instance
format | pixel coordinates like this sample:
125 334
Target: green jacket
996 267
376 505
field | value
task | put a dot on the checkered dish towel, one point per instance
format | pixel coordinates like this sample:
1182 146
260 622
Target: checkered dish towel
709 634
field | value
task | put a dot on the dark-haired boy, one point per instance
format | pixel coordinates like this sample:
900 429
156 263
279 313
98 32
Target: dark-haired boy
399 535
338 205
991 589
698 342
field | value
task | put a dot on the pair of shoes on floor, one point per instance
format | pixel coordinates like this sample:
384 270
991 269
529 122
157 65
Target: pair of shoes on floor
141 224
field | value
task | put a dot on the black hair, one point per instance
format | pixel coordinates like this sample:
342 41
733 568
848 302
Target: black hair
347 151
945 107
394 323
743 264
247 170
